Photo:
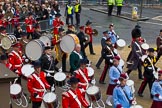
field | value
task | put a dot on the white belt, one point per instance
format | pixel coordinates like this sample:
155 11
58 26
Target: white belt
50 71
39 90
18 65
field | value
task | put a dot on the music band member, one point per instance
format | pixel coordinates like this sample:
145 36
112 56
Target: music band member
108 54
4 60
48 64
82 75
18 31
23 41
159 45
75 58
37 85
89 32
74 97
156 91
103 44
134 57
122 94
149 69
114 74
71 29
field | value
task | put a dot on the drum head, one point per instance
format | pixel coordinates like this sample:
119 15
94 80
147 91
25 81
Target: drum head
67 44
92 90
130 82
15 89
34 49
144 57
136 106
49 97
145 46
6 43
59 76
27 70
121 62
121 43
46 40
90 71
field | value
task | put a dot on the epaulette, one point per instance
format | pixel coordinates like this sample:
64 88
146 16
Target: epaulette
65 94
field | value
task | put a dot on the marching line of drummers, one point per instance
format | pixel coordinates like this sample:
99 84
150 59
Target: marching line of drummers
34 61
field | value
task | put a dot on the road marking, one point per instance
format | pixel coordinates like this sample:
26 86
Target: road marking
151 23
159 18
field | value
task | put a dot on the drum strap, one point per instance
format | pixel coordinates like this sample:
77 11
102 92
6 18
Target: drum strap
118 70
110 50
17 55
125 94
138 46
75 97
151 64
40 82
51 59
84 77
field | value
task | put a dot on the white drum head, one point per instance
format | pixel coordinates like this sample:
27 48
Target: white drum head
15 89
136 106
46 40
121 62
67 44
6 43
145 46
121 43
92 90
59 76
90 71
130 82
34 50
49 97
27 70
144 57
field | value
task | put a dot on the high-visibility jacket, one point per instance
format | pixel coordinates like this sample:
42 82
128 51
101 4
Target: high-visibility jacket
77 9
119 2
111 2
69 10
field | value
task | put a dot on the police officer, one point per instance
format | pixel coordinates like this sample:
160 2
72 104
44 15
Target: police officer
111 4
69 11
149 69
119 4
156 91
77 10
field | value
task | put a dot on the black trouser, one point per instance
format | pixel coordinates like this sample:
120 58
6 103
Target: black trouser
67 19
77 17
83 51
110 9
50 79
30 33
139 70
36 104
90 47
99 61
119 10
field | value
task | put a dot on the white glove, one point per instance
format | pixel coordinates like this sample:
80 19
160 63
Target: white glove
86 38
93 82
26 60
118 82
48 74
37 96
24 57
111 61
160 97
134 102
52 88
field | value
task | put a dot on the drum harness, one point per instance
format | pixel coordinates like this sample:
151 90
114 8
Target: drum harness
125 93
151 65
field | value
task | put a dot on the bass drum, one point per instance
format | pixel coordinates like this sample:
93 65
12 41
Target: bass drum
145 46
68 43
136 106
27 70
50 100
46 39
34 49
8 41
94 93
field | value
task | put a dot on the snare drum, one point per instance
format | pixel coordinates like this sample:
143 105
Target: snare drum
94 93
50 100
90 72
121 43
121 62
136 106
34 49
27 70
60 78
68 43
46 39
15 91
130 83
8 41
145 46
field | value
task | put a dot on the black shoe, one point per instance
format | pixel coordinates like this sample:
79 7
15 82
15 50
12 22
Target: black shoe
141 78
101 82
140 95
98 67
93 53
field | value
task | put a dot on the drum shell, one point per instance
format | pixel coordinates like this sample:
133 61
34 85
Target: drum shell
12 39
16 96
48 41
53 104
120 44
90 75
60 83
95 97
130 83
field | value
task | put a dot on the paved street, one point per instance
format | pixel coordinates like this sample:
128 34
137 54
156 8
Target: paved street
150 30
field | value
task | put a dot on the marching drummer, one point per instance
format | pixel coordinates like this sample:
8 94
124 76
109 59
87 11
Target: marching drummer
156 91
4 60
82 75
74 98
37 85
114 74
149 69
48 64
71 29
122 94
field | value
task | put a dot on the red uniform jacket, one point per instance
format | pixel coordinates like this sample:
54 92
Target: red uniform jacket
35 87
57 24
3 23
15 59
69 102
29 25
15 20
82 82
89 32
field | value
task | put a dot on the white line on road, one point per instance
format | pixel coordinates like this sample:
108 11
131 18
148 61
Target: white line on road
151 23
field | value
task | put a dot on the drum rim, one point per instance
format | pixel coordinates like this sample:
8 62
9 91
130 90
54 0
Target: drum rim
48 38
131 81
91 92
62 76
18 85
48 93
119 41
5 42
28 67
92 72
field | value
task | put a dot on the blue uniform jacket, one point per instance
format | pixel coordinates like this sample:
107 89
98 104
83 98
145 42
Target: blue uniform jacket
156 89
113 37
120 98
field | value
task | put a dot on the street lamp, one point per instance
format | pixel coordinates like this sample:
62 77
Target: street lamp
141 6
